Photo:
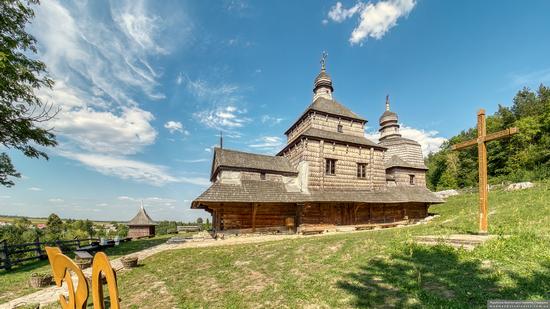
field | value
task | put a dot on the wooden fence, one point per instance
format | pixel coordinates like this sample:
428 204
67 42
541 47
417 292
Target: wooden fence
11 255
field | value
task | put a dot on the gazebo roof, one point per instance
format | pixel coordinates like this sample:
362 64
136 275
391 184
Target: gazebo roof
141 219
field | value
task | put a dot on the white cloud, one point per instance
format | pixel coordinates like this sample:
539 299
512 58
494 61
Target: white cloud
375 19
103 73
271 120
156 175
35 189
267 142
227 117
338 13
5 196
106 132
179 79
195 160
143 28
56 200
175 126
428 140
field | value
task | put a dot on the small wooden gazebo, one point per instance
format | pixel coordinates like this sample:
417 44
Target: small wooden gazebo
141 225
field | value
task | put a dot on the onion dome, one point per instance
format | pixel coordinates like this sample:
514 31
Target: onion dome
389 123
323 83
323 80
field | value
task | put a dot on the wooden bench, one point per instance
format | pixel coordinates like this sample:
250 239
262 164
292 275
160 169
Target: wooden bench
371 226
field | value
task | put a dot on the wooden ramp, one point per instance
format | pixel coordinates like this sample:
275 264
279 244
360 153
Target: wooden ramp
465 241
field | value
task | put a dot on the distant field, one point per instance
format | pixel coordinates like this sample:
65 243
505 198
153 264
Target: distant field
44 220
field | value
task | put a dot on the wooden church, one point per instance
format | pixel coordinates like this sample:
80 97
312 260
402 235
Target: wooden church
328 175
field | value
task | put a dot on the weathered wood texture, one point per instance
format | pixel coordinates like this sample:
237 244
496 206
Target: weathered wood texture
325 122
241 216
141 231
481 141
402 176
347 157
248 218
408 151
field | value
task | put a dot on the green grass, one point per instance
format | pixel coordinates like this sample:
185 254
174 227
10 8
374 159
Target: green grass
15 283
365 269
368 269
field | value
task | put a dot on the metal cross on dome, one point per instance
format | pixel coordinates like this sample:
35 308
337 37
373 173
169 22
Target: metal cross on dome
323 60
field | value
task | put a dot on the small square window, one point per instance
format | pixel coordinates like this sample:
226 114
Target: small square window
262 176
330 166
411 179
362 170
340 128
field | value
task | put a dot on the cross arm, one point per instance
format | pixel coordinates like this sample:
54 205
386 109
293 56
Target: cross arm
500 134
464 145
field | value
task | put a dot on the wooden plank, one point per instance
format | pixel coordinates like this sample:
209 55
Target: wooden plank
464 145
255 208
482 166
501 134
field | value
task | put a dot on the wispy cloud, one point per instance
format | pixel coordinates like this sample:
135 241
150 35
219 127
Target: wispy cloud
530 79
103 73
228 117
35 189
375 19
56 200
267 144
156 175
270 120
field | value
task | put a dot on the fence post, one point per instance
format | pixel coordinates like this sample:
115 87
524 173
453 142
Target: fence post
77 243
58 244
37 249
6 255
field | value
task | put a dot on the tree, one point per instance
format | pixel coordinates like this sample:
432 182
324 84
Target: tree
199 221
22 112
54 227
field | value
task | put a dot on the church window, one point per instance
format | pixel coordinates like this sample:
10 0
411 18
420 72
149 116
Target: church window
340 129
330 166
361 170
411 179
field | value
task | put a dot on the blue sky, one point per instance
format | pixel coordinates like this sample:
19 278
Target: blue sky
145 87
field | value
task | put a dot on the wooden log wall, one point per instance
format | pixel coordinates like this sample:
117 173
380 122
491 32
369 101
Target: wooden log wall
402 176
249 216
330 123
354 213
347 156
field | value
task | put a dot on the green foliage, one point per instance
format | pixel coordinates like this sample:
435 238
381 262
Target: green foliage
524 157
21 110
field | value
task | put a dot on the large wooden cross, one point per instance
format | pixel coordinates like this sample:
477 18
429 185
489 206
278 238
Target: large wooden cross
481 141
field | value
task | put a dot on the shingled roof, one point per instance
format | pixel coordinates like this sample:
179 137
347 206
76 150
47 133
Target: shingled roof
396 161
314 133
141 219
245 161
255 191
398 141
331 107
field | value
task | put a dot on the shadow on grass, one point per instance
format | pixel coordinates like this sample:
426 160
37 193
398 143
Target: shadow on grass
420 277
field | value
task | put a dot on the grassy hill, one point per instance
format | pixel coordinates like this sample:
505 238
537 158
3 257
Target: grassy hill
364 269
